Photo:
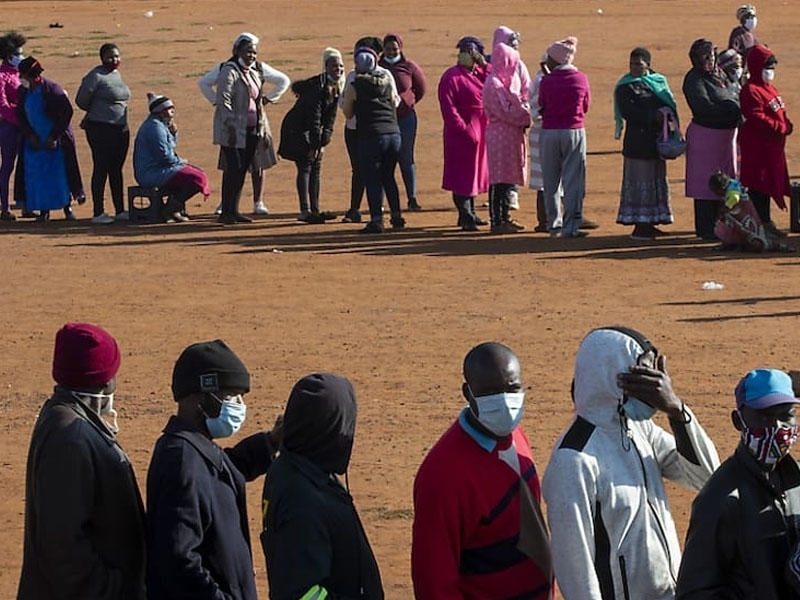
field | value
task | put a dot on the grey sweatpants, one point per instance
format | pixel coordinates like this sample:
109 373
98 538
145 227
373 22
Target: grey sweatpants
563 155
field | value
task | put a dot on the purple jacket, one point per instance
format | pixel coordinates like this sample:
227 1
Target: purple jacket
410 82
564 97
460 99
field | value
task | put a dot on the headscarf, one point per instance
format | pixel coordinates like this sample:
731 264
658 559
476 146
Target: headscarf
393 37
504 67
244 37
30 67
563 51
744 11
328 54
702 56
655 81
366 60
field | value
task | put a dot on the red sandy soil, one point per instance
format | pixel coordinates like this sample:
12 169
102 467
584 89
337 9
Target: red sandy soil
395 313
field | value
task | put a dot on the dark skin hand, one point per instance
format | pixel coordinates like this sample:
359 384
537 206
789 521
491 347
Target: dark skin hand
649 382
489 368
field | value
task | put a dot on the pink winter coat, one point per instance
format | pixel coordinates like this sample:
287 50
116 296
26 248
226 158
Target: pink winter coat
461 103
507 119
9 84
501 35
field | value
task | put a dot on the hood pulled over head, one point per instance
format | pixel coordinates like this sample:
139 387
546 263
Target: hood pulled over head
757 59
320 421
603 354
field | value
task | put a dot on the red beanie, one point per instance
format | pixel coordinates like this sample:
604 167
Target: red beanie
85 356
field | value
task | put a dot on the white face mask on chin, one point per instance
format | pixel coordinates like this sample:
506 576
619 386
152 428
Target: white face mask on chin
102 404
25 83
768 75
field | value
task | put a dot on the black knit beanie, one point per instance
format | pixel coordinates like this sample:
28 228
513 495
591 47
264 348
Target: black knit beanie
208 367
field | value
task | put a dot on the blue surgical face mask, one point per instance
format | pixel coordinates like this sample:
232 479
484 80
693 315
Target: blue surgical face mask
636 410
232 412
500 413
15 59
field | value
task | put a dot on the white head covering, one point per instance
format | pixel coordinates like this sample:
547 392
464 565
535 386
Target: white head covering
244 37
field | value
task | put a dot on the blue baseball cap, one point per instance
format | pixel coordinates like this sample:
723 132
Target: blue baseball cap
762 388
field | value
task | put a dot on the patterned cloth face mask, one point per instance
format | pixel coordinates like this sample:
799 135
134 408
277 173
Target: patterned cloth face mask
768 445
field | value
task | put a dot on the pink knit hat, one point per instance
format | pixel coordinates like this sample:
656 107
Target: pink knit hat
85 356
563 52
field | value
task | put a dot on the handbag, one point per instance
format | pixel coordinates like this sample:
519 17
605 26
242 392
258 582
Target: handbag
670 143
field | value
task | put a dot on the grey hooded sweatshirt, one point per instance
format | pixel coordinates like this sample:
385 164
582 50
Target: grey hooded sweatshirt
612 533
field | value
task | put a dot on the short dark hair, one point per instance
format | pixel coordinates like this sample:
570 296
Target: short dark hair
10 42
371 42
106 47
642 53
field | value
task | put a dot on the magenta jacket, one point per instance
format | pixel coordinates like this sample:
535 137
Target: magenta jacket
460 100
564 97
9 82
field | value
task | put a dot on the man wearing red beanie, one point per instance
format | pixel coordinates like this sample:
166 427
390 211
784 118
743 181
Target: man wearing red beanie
84 517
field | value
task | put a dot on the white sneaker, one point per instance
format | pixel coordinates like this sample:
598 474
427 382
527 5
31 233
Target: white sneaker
103 219
513 200
123 216
259 208
218 210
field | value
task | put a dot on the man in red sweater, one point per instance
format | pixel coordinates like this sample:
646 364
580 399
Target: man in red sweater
478 529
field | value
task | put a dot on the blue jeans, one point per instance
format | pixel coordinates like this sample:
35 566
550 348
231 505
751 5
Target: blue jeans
408 135
377 159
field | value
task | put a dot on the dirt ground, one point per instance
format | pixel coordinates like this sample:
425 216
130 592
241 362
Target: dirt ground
395 313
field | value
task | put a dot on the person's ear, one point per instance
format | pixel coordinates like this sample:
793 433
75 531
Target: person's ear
467 393
736 419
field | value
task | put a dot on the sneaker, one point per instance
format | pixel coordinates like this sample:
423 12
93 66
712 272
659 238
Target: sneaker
240 218
351 216
122 216
413 205
541 228
179 217
303 217
398 223
315 219
513 200
470 227
479 221
327 215
227 220
218 210
259 208
372 227
516 225
68 214
7 216
103 219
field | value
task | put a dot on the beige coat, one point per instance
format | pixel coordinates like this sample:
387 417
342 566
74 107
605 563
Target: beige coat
233 100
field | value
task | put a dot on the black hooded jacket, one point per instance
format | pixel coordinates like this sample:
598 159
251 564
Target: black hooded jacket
312 534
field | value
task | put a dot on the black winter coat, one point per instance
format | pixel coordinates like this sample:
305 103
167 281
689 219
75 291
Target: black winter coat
639 106
308 126
198 538
84 519
712 105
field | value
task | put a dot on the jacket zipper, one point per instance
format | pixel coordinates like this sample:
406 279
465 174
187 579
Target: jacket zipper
624 573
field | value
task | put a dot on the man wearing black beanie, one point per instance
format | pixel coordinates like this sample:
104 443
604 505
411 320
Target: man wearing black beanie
313 540
198 541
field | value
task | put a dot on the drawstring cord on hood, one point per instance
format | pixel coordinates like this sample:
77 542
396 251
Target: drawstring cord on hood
624 438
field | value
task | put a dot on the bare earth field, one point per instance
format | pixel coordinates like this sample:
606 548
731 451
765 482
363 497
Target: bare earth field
395 313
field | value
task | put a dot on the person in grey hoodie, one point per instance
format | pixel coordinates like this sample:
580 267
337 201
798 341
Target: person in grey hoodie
612 534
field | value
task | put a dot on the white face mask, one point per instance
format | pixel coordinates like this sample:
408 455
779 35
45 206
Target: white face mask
768 75
737 73
500 413
750 23
25 83
102 404
393 60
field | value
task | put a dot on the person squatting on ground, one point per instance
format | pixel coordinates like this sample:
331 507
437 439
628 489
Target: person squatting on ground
711 135
507 118
264 156
156 164
466 173
744 529
313 540
307 128
104 97
44 113
84 518
739 226
11 54
239 123
612 532
639 97
565 97
478 528
762 136
411 86
198 537
368 97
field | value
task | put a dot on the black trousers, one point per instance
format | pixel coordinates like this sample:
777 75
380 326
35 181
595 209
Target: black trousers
308 178
705 217
499 199
237 161
761 202
109 144
356 181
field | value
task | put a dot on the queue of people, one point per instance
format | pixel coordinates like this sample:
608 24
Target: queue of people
738 120
479 529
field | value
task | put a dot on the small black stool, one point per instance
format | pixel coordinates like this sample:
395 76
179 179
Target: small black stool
145 204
